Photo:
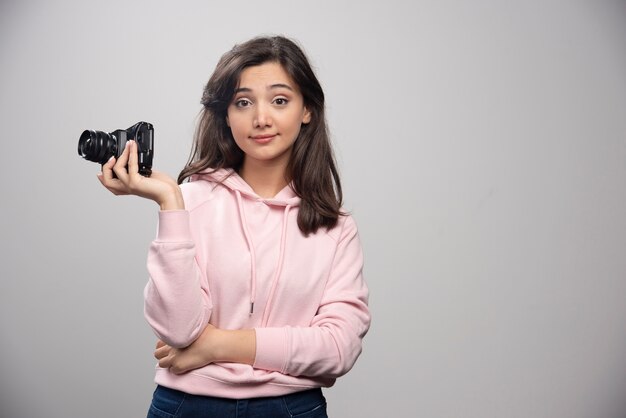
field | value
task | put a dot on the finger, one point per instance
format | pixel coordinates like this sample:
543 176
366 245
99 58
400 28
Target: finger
162 352
177 366
120 166
160 344
159 355
176 369
101 179
133 163
165 362
107 170
107 180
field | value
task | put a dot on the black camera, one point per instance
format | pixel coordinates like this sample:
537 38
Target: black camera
99 146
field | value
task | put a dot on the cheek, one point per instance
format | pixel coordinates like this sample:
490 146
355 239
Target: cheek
239 137
236 126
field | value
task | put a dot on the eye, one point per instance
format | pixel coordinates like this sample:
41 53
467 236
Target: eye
281 101
242 103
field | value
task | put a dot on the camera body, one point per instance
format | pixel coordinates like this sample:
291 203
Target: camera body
99 147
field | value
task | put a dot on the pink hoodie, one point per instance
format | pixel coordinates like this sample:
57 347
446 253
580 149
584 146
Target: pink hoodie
239 261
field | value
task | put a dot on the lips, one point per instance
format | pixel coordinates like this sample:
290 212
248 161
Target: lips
263 139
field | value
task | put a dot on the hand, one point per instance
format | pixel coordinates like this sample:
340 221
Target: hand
158 187
181 360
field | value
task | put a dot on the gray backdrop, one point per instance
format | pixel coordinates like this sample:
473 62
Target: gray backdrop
483 150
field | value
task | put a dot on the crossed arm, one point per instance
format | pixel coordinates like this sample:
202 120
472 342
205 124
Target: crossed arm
213 345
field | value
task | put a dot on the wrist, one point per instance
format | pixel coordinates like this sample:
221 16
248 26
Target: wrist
172 201
236 346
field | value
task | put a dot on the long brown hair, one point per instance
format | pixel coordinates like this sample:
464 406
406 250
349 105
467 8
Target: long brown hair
312 168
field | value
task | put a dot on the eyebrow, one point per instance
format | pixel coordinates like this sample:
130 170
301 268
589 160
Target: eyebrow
273 86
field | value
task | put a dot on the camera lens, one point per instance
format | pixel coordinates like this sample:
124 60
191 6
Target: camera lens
97 146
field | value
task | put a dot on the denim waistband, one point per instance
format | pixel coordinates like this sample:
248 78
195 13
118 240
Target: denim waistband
167 403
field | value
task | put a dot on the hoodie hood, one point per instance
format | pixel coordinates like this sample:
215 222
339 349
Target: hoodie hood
231 180
286 199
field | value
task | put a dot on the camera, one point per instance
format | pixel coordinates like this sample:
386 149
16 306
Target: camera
99 147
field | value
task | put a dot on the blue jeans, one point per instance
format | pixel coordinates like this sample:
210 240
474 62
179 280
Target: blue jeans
170 403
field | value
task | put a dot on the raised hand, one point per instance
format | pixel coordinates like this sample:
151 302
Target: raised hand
159 187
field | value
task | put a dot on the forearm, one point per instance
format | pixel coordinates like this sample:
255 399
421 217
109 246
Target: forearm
213 345
235 346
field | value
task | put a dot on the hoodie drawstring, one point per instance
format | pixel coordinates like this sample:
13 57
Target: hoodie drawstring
246 233
281 257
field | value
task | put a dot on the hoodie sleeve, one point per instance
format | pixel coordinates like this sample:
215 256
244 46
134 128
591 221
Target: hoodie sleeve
331 345
177 301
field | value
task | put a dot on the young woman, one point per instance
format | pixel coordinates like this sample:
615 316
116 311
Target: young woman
256 292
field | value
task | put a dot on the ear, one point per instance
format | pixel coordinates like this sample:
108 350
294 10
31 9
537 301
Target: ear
306 117
227 121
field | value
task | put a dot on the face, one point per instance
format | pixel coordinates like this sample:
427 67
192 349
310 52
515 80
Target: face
266 114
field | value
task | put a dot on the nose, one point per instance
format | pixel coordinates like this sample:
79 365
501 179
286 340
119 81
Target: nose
262 117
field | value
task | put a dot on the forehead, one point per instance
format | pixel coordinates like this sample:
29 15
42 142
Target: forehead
265 75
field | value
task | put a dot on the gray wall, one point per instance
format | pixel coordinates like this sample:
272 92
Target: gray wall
483 150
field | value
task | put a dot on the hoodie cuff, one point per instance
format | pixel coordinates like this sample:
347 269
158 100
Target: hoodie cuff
271 349
173 226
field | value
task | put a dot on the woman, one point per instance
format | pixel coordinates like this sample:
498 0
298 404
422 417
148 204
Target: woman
255 289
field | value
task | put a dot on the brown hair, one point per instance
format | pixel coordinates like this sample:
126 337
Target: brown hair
312 167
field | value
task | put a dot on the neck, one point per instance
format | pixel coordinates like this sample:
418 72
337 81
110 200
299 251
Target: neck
265 179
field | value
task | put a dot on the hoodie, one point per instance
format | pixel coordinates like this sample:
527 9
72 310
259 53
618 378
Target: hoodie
239 261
